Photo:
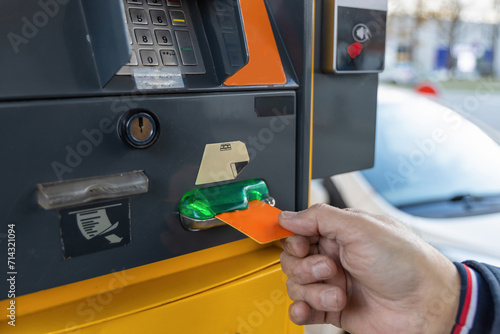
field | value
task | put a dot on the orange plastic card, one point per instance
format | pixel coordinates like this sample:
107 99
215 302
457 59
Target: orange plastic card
259 222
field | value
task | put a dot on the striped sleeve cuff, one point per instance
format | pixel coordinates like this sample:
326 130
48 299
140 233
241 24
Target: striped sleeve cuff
468 300
475 302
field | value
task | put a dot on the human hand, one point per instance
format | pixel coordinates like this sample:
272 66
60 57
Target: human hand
366 274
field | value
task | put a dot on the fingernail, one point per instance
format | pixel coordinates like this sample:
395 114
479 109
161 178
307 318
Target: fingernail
288 246
288 214
329 299
293 311
321 271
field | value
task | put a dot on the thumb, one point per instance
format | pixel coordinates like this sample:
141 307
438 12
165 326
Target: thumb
324 220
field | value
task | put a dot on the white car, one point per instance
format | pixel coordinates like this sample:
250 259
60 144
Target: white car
401 74
435 171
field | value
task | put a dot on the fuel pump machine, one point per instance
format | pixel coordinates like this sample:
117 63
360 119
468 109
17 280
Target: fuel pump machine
127 125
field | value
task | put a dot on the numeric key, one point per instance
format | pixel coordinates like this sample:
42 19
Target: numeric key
158 17
138 16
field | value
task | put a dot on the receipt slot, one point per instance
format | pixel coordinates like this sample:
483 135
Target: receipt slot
354 34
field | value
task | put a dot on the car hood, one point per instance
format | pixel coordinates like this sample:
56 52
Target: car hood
478 236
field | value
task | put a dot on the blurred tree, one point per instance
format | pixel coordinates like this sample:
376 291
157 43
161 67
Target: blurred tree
447 13
419 14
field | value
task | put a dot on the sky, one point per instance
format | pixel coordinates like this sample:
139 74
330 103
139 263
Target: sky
474 10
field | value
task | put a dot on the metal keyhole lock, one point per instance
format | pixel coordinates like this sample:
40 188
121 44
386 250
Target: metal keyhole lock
139 128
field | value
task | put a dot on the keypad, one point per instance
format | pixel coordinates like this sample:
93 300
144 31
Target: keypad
154 2
174 3
143 37
138 16
162 35
178 18
149 58
158 17
133 59
169 58
186 47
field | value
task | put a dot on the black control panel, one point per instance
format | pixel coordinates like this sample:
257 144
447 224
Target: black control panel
161 35
354 35
360 39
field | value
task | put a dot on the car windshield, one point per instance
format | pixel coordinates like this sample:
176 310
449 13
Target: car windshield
426 152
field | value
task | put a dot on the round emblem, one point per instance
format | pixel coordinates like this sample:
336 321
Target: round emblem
361 33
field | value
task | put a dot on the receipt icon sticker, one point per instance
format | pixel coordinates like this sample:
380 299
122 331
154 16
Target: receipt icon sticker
95 227
95 222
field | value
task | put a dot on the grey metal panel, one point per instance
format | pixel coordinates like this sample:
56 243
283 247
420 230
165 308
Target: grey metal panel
295 20
345 107
45 50
39 135
228 43
344 123
107 32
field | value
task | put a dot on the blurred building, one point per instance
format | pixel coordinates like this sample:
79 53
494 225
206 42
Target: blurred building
443 48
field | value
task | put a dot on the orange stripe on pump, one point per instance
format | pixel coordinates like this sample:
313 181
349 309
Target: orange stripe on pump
264 66
311 128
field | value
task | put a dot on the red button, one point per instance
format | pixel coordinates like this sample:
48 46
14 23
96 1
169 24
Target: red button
355 49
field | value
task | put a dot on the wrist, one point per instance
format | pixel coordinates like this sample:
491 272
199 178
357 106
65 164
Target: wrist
442 304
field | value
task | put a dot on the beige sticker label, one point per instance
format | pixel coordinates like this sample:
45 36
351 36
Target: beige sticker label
222 162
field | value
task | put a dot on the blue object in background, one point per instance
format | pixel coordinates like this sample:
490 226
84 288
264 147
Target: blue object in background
442 58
